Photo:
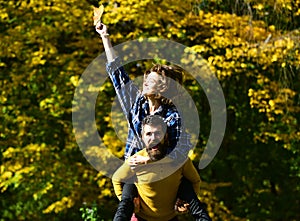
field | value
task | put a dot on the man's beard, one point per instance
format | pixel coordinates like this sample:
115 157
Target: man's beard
156 152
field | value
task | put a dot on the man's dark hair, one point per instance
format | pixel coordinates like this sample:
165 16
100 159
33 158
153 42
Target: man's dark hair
154 120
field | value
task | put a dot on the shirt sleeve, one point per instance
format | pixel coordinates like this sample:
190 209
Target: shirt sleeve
123 174
173 121
190 172
126 91
180 144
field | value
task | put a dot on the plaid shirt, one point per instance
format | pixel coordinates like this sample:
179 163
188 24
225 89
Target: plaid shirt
136 107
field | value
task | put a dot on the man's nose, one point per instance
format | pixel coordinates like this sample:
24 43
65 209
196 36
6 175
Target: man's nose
153 136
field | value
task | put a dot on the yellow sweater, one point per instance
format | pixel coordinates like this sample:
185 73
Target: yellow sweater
157 185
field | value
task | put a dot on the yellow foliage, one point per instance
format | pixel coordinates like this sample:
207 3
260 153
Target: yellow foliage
274 102
114 144
45 46
61 205
6 175
74 80
43 191
107 193
9 152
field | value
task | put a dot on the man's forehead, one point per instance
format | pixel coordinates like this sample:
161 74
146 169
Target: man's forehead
152 127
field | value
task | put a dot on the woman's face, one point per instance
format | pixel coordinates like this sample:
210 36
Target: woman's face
150 84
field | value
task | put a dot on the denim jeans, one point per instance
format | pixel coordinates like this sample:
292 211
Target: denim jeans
126 207
197 209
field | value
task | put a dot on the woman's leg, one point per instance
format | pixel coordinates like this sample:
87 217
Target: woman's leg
197 209
126 207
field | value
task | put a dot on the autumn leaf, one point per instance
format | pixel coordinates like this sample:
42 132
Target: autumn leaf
98 14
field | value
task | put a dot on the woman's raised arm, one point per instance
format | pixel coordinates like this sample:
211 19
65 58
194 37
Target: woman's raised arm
101 29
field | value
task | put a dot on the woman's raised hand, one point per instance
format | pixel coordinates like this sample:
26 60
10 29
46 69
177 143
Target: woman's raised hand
101 29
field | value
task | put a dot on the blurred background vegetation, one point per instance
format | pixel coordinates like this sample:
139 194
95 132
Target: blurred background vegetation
251 45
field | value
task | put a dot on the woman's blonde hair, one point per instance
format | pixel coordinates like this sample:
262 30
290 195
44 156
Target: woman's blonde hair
171 76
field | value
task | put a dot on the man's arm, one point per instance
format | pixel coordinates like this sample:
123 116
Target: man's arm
123 174
190 172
